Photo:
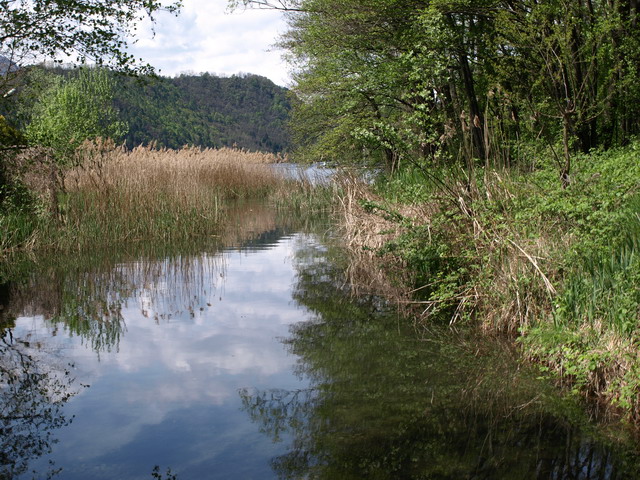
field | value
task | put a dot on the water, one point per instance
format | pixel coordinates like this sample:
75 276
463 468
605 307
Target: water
316 173
321 173
255 362
159 385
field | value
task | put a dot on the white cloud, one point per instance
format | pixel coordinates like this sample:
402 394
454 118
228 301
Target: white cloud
205 37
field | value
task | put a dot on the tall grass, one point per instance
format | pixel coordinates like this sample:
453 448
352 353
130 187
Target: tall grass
604 287
446 246
517 253
116 196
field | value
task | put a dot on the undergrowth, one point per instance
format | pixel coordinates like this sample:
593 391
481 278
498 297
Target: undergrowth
518 252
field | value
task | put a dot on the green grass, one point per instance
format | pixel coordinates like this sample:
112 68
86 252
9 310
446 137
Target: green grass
515 252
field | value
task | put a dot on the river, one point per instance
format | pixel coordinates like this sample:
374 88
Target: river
248 358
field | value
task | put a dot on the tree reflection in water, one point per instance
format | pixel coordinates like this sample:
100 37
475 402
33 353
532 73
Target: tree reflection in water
384 404
87 297
32 394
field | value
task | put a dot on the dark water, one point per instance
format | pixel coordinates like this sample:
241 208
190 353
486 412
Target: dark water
255 362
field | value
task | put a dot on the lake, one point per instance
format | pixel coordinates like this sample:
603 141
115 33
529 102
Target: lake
250 358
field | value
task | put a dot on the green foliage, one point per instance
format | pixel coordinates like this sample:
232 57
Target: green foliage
97 30
75 110
17 229
9 135
245 111
574 355
590 332
518 252
604 286
393 82
356 95
461 92
248 112
14 195
435 274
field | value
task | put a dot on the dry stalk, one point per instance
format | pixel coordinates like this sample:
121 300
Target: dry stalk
103 166
365 233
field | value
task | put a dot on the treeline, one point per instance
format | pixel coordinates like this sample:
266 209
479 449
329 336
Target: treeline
247 111
450 80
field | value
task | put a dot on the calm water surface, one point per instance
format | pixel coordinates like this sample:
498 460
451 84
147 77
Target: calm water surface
255 362
158 385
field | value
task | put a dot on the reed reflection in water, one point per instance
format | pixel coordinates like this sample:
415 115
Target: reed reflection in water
164 345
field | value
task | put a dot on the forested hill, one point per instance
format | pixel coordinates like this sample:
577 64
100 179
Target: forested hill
249 111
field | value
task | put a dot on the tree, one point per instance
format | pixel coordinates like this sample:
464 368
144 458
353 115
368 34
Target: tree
73 111
448 80
568 62
89 30
390 79
69 113
95 30
353 79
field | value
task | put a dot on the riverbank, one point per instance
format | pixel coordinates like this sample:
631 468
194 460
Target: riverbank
515 252
518 252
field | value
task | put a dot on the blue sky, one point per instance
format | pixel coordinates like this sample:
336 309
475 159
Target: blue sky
205 37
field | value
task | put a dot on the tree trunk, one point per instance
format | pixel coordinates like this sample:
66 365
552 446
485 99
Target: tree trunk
476 121
566 131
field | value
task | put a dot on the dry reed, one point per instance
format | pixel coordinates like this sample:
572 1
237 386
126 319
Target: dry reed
114 195
104 167
509 284
365 233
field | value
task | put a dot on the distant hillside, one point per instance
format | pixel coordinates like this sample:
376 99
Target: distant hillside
249 111
6 65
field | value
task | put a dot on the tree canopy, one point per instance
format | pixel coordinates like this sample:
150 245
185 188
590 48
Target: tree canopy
95 30
72 111
248 111
449 80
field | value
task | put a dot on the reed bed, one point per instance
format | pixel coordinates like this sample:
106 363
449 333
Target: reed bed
161 194
104 168
114 196
445 253
365 232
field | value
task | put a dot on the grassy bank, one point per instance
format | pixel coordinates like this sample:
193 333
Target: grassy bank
518 253
117 196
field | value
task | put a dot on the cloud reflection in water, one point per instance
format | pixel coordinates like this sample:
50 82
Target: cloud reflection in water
196 330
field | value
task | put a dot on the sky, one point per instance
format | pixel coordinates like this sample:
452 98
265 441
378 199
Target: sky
205 37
